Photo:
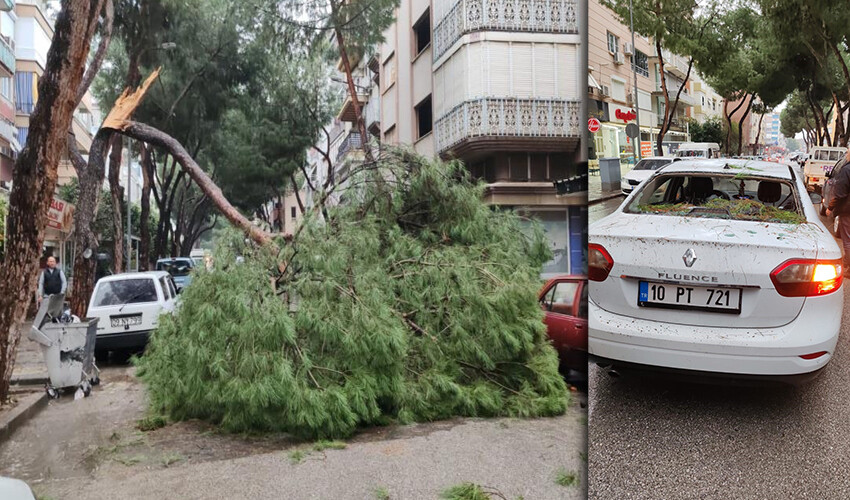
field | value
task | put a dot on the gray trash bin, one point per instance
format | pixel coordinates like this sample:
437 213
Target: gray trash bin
609 173
68 348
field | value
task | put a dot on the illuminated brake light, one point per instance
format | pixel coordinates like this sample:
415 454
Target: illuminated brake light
807 277
813 355
599 262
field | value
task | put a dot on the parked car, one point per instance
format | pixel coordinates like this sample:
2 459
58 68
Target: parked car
15 489
643 169
829 192
128 307
180 268
564 301
698 150
720 267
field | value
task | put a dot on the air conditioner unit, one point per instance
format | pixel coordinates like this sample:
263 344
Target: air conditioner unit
619 58
628 49
606 91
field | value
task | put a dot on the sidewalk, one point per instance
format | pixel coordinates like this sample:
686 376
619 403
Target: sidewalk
595 194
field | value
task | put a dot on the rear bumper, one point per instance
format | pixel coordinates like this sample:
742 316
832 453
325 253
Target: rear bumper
122 340
731 351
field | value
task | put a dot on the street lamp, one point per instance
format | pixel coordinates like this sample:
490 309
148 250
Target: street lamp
162 46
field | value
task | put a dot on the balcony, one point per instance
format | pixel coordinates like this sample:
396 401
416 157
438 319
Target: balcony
677 123
674 64
497 124
534 16
672 89
346 114
7 57
349 153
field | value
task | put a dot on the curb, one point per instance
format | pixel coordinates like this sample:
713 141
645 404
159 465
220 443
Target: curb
37 379
605 198
27 408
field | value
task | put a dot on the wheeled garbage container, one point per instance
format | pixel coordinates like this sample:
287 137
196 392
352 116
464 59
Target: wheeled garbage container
68 347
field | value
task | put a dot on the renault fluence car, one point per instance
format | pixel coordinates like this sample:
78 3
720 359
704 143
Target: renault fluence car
716 266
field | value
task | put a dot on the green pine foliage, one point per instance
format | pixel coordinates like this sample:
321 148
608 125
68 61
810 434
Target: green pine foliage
414 301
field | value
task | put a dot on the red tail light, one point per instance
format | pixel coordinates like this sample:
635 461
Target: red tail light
814 355
599 262
807 277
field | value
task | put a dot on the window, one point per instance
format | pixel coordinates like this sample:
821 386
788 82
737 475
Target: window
618 90
6 87
172 287
388 72
641 63
175 267
292 212
703 100
561 298
130 291
166 291
613 43
422 33
423 117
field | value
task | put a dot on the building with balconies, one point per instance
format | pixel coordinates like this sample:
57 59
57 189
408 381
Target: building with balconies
495 84
9 146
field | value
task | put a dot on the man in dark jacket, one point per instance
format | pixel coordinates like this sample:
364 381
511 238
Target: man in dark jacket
51 281
839 204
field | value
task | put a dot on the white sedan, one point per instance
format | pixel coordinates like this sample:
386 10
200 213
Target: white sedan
643 169
718 267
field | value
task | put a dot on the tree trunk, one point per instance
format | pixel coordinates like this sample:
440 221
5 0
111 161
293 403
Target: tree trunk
144 218
117 193
35 171
728 117
91 180
758 135
352 91
663 129
146 133
741 122
838 135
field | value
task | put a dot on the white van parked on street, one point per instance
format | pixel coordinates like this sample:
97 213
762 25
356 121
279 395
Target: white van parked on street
821 159
698 150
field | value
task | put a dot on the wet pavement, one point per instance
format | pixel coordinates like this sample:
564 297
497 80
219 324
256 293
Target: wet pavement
680 440
92 448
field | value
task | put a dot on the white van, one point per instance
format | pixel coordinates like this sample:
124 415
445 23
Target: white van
698 150
821 158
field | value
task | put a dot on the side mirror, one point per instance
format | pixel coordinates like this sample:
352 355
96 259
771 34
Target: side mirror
816 198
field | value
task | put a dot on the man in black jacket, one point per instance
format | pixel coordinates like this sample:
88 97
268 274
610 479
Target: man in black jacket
51 281
839 205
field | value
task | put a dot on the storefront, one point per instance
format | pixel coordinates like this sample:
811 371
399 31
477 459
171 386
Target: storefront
58 238
611 140
566 231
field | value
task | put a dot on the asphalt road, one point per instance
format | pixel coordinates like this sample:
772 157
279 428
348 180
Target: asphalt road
651 438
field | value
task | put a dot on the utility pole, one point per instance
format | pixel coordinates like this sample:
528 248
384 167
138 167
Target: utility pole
634 84
129 185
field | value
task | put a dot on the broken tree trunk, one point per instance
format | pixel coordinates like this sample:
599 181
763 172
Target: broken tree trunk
35 172
117 194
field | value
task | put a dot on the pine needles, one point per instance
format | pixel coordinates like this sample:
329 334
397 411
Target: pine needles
414 304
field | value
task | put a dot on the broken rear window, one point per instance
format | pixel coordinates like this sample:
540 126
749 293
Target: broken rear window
717 196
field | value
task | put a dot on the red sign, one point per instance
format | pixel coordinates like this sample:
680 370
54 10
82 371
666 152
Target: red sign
593 125
626 117
60 215
645 148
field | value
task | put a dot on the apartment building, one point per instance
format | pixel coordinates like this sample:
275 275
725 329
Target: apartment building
494 83
616 67
9 145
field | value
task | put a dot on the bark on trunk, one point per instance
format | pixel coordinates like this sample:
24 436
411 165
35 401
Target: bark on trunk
758 134
150 135
741 122
665 124
144 218
35 172
117 193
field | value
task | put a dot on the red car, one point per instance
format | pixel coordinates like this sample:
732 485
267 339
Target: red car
564 299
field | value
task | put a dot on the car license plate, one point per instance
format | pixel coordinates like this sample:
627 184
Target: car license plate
676 296
120 321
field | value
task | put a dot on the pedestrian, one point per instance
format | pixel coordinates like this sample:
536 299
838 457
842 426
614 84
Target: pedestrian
51 281
839 205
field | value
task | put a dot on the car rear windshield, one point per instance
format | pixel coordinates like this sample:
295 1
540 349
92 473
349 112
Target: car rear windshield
651 164
175 267
825 155
129 291
691 153
719 196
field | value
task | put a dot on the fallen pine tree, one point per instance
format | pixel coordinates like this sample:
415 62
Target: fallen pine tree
414 301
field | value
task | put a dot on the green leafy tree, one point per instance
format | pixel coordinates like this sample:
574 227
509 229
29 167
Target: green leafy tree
710 130
416 302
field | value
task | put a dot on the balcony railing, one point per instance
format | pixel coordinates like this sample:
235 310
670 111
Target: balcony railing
538 16
7 56
495 117
352 142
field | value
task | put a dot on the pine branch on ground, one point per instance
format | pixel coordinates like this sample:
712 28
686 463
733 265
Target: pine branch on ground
415 301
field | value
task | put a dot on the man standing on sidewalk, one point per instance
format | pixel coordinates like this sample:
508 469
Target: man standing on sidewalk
840 207
51 281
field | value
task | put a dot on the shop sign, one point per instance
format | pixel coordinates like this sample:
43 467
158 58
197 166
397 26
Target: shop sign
626 116
645 148
61 215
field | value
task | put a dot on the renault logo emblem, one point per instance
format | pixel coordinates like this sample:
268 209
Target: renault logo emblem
690 257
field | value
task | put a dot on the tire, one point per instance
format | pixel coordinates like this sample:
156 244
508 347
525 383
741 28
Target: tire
52 393
95 380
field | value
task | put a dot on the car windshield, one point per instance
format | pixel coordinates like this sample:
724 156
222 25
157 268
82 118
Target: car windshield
175 267
720 196
129 291
824 155
651 164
